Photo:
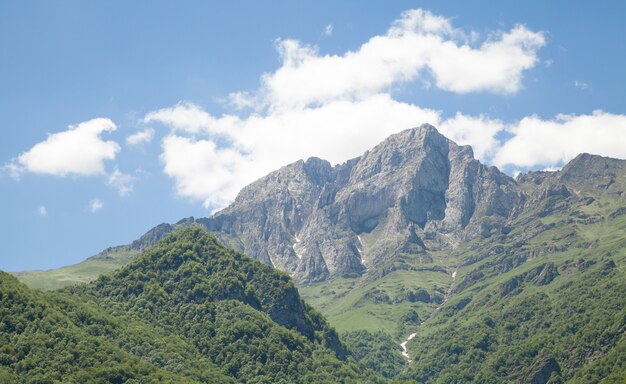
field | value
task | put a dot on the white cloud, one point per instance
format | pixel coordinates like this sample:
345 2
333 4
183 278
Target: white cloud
141 137
337 106
95 205
78 151
496 66
202 170
417 44
328 30
43 212
479 132
214 170
551 143
122 182
581 85
13 169
184 117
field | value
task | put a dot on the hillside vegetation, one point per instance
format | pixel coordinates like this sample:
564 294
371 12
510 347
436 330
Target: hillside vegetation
188 310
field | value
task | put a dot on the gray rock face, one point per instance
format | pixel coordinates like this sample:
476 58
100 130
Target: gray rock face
413 192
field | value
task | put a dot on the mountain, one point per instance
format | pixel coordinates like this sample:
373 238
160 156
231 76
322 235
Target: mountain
436 268
416 191
413 192
543 299
108 260
187 310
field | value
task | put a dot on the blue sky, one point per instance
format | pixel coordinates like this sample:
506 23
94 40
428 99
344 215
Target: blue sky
117 116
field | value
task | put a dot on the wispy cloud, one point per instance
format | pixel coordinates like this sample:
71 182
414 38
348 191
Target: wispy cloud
141 137
328 30
581 85
77 151
123 183
95 205
42 210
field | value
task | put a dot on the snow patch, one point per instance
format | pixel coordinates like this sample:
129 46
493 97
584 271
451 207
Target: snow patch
294 246
359 249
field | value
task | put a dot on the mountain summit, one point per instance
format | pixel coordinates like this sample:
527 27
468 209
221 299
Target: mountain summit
415 191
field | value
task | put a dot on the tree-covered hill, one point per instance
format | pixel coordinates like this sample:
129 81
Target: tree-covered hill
52 338
188 310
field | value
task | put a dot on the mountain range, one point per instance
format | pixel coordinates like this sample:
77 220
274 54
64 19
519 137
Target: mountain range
431 266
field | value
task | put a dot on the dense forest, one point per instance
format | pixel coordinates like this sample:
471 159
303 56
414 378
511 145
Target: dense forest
188 310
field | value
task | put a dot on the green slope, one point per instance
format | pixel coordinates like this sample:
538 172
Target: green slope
188 310
80 273
104 262
47 338
546 296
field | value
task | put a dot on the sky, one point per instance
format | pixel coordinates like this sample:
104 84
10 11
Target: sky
117 116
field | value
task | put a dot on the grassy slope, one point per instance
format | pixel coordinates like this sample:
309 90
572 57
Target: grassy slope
83 272
345 303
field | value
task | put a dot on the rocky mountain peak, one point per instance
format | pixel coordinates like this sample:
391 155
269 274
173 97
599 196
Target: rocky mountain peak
594 173
416 190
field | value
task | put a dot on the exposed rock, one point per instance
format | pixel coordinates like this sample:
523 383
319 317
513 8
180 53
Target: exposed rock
419 295
543 274
541 371
608 265
413 192
618 212
511 285
377 296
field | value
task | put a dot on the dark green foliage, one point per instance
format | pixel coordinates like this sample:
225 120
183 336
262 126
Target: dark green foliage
573 332
40 343
246 316
189 310
376 350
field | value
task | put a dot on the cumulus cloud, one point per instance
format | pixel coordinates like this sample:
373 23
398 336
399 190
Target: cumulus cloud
95 205
77 151
214 168
337 106
553 142
185 117
202 170
121 182
141 137
419 43
478 131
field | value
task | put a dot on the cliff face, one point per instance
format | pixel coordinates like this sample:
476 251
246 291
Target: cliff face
414 191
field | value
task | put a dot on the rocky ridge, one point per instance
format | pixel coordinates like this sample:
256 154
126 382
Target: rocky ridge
414 192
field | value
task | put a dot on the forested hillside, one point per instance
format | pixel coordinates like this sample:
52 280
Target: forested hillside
189 310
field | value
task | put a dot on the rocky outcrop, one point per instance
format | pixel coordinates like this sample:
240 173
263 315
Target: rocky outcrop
416 191
541 371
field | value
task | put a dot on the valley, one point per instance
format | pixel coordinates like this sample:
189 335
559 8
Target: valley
429 266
